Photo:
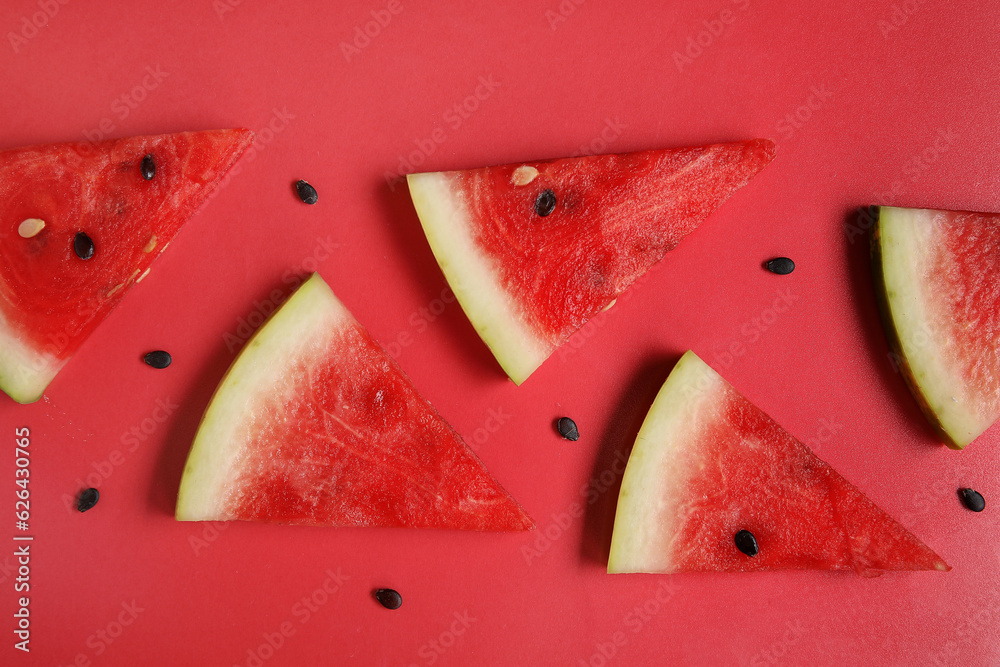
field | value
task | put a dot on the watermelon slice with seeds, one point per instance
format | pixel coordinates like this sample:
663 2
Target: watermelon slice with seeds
937 279
80 224
534 250
708 464
315 424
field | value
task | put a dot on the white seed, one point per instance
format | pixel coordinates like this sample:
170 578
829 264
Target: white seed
144 274
115 289
523 175
30 227
152 244
608 307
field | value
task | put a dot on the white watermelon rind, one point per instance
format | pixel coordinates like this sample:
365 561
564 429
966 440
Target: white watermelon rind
903 244
25 372
663 458
446 220
308 318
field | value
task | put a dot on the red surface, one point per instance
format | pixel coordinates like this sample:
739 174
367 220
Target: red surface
56 298
863 111
357 446
615 216
750 474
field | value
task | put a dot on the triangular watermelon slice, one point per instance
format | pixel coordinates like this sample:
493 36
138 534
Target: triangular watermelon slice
533 250
80 224
708 464
937 279
315 424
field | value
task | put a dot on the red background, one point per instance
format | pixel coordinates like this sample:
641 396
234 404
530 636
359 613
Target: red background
893 77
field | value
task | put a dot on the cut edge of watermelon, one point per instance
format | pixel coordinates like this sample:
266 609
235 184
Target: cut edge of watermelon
446 221
210 469
902 243
28 372
677 415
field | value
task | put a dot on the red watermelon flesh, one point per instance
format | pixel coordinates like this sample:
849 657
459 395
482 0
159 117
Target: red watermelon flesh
315 424
529 281
707 464
937 276
51 299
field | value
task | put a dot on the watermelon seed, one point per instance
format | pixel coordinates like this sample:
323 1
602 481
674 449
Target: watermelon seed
158 358
30 227
523 175
148 167
780 265
746 542
546 203
389 598
567 429
972 499
148 248
307 193
87 499
83 246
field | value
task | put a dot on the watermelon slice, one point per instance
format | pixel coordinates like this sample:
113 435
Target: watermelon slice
315 424
534 250
937 278
708 464
61 202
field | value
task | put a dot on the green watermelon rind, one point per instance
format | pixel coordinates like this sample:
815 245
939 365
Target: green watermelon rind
901 239
309 314
679 412
446 221
24 372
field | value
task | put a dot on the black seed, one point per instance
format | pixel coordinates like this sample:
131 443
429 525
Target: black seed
307 193
780 265
389 598
546 203
87 499
972 499
746 542
83 246
567 428
158 358
148 167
